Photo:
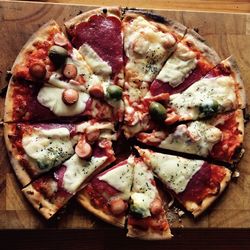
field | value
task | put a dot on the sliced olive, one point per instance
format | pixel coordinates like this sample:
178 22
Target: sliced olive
37 70
209 108
114 92
157 111
58 55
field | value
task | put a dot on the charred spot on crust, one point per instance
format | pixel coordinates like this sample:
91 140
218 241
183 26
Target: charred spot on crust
105 11
30 192
40 206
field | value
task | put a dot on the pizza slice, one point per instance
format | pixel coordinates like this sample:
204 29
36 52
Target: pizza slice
191 61
93 152
148 42
37 148
220 137
219 91
194 183
147 217
108 193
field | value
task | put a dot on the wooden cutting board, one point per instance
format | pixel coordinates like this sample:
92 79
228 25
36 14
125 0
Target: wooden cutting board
227 33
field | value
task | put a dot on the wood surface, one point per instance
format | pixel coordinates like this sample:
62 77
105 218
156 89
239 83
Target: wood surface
202 5
227 33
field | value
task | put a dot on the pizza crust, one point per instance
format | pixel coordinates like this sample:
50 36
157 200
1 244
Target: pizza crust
109 11
148 234
240 89
200 43
8 105
164 24
19 170
84 200
42 205
196 209
41 34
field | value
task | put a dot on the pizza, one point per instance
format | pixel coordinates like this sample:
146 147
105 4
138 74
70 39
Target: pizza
118 111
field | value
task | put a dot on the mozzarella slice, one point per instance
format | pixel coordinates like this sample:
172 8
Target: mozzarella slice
174 171
205 91
147 48
120 178
48 147
196 138
96 63
143 191
51 98
78 170
178 66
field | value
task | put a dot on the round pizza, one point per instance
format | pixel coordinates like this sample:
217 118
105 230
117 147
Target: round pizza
119 110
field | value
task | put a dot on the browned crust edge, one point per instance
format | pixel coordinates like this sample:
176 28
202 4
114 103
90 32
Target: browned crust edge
8 105
20 172
83 198
41 33
199 42
38 201
110 11
164 23
148 234
241 94
196 210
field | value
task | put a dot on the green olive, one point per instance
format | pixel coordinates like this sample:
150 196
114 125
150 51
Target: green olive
114 92
157 111
209 108
58 55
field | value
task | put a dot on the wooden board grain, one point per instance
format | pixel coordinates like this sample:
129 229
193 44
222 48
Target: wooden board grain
227 33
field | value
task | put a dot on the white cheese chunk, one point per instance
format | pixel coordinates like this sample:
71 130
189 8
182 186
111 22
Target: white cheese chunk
143 191
48 147
196 138
96 63
51 98
120 178
173 171
205 91
146 48
178 66
78 170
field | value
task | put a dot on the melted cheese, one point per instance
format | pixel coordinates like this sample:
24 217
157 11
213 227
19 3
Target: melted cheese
147 48
78 170
178 66
120 178
174 171
143 191
48 147
51 98
95 62
82 69
196 138
220 89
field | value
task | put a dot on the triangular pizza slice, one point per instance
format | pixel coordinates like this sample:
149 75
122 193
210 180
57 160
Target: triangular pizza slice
147 217
194 183
108 194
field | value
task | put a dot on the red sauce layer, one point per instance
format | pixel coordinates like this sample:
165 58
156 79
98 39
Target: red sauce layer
204 183
226 148
103 34
159 87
